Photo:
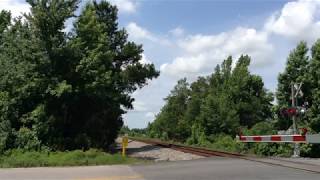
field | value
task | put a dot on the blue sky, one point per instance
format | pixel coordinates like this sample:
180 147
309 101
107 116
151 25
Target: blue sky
188 38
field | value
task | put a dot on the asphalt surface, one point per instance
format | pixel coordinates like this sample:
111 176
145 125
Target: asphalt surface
119 172
202 169
221 169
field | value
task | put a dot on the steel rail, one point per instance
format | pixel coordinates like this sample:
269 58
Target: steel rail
210 153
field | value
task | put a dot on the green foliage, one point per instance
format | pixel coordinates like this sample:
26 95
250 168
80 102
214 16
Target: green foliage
261 128
26 139
198 136
310 150
314 75
5 18
124 130
226 143
219 103
295 72
5 132
66 90
170 123
19 158
272 149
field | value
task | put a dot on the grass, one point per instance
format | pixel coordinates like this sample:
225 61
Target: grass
18 158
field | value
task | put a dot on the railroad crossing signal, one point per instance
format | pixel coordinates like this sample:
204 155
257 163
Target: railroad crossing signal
292 111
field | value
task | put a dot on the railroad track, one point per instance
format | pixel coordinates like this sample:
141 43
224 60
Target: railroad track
210 153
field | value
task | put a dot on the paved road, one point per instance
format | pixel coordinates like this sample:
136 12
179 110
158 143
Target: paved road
118 172
201 169
221 169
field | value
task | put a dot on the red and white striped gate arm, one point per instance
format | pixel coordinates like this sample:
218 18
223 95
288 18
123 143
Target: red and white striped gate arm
296 138
274 138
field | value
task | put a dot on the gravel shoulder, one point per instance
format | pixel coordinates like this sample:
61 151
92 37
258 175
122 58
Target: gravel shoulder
150 152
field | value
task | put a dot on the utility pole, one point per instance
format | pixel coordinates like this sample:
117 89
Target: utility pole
294 93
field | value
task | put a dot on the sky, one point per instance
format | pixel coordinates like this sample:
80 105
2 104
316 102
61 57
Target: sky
188 38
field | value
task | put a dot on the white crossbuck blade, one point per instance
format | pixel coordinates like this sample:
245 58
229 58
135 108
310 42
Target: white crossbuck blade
296 138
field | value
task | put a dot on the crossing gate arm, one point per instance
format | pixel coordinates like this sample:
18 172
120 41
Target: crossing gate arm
295 138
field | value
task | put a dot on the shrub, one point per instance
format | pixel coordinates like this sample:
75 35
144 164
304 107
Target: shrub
26 139
5 132
310 150
226 143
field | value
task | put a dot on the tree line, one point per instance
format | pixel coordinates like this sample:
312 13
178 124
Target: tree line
62 89
232 98
219 103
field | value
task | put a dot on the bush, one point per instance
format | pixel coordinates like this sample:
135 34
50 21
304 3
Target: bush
226 143
272 149
310 150
5 132
164 136
26 139
198 136
262 128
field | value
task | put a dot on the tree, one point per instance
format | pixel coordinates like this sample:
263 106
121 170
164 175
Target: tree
295 72
217 114
68 90
170 120
5 126
236 98
219 103
252 101
314 75
198 93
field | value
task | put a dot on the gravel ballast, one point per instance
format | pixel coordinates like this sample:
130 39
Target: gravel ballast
146 151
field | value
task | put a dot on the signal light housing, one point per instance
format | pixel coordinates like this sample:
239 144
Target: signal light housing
289 112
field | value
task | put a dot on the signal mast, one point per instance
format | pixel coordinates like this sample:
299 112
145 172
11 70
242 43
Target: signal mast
294 137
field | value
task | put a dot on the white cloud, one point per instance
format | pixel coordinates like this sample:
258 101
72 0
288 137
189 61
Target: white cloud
297 20
137 33
198 43
178 31
201 53
186 66
17 7
126 6
142 35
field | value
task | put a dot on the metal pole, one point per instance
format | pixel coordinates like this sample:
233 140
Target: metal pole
296 151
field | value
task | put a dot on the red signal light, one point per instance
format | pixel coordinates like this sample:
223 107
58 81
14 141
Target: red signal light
289 112
292 111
